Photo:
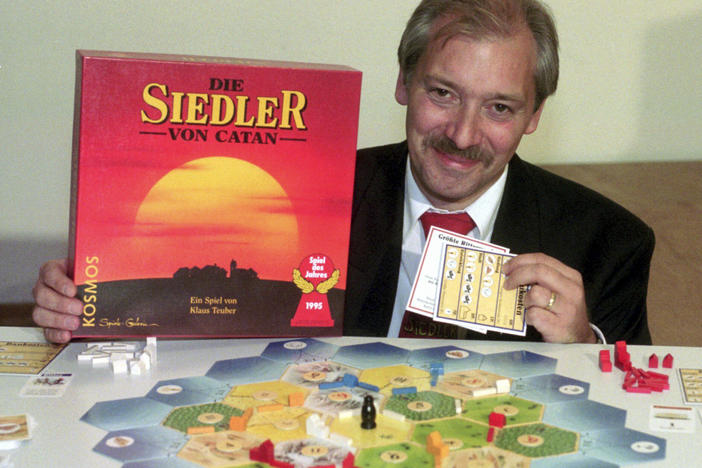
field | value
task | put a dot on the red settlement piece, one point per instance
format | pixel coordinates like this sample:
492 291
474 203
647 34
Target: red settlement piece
605 361
263 453
653 361
668 361
497 419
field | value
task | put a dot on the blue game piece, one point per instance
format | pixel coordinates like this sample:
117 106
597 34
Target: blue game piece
436 368
404 390
350 380
369 387
329 385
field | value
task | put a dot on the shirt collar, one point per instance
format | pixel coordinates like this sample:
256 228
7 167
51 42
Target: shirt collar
483 210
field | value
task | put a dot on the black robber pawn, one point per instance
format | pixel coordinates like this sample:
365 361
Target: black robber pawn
368 413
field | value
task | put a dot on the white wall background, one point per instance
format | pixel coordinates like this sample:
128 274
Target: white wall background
630 89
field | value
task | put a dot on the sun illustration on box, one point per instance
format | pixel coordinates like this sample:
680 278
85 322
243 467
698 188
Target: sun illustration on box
212 201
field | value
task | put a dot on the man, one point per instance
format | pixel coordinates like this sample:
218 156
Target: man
474 75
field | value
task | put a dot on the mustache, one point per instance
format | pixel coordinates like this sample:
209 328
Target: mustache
444 144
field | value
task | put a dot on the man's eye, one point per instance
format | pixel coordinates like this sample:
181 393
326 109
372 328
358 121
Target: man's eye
440 92
502 108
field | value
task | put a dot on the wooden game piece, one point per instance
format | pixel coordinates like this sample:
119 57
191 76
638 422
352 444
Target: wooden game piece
404 390
478 392
136 367
369 387
653 361
121 355
341 439
296 399
263 453
200 430
622 359
491 434
349 461
502 385
394 415
330 385
237 423
350 380
119 366
145 360
269 408
368 413
437 447
100 361
668 361
605 361
316 427
497 419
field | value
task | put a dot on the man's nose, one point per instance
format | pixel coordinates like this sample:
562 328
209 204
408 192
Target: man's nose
464 128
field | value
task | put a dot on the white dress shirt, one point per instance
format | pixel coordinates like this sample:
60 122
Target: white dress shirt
483 211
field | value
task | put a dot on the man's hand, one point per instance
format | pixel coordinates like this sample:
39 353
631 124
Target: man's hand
555 304
57 310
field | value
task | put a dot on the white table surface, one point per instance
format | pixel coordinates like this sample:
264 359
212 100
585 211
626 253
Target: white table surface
61 439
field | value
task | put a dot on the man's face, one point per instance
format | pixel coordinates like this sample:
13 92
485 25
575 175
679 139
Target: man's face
468 105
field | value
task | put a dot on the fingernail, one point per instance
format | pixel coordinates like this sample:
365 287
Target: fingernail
70 323
75 309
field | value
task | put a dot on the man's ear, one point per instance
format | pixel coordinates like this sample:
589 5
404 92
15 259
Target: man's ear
534 121
401 93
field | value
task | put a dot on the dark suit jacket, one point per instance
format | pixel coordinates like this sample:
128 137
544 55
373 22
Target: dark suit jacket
539 212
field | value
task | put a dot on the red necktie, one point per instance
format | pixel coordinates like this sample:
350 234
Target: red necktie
460 223
419 326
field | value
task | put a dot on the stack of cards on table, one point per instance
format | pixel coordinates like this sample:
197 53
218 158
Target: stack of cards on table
14 430
460 281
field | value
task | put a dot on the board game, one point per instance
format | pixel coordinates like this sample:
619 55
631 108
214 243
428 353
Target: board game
211 196
303 402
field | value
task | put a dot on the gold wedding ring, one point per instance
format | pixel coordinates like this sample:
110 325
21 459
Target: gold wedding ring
551 301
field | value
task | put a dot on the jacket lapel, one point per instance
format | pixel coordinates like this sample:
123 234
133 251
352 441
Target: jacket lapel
517 224
376 241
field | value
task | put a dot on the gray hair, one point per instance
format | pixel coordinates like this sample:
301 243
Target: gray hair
484 19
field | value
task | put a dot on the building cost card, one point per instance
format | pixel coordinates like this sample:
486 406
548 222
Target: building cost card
471 292
423 295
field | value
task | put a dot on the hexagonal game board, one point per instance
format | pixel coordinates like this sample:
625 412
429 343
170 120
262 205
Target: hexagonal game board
301 404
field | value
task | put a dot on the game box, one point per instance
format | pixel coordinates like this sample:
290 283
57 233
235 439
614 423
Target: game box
211 196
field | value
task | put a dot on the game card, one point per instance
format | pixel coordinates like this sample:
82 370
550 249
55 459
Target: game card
691 383
422 298
672 419
46 385
26 358
13 430
471 292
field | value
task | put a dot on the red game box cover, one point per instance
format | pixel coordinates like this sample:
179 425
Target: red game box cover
211 196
